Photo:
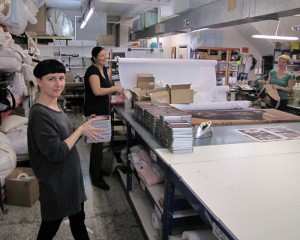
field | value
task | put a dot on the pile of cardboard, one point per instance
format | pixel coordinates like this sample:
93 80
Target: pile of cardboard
145 91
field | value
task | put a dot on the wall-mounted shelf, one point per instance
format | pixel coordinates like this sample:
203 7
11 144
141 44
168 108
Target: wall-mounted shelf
225 64
46 39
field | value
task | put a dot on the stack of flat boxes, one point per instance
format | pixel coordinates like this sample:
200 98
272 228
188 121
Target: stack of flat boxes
103 122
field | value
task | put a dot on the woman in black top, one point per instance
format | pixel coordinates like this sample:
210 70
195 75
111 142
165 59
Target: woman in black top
97 89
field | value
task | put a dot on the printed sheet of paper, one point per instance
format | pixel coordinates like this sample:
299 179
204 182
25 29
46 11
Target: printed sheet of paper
270 133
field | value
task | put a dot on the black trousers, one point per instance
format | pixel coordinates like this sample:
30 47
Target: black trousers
48 229
96 157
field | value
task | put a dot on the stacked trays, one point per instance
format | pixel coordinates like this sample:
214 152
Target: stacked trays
103 122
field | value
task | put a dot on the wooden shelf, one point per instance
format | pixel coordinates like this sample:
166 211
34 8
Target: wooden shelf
53 37
47 39
218 48
215 53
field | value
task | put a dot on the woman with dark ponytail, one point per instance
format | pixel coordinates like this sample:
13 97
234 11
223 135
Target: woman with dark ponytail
97 89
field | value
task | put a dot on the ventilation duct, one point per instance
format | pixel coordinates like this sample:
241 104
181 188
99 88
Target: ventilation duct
216 14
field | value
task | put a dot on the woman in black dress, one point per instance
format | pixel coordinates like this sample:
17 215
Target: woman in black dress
97 90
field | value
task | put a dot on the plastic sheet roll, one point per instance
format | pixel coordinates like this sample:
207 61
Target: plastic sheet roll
218 94
213 105
200 73
156 223
221 93
198 235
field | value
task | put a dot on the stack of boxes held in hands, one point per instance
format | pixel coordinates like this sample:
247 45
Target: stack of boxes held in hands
103 122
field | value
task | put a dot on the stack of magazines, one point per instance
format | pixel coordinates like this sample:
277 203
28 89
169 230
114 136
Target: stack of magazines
179 136
103 122
159 119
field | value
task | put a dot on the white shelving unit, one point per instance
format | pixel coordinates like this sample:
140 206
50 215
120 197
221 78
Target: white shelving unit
76 55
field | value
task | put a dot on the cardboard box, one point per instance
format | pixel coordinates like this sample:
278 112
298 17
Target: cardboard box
105 40
69 77
181 93
40 26
295 45
214 55
138 94
211 55
159 95
22 191
145 81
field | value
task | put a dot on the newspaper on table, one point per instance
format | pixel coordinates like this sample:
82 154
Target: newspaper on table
270 133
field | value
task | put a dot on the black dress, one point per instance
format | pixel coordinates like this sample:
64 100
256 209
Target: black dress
98 105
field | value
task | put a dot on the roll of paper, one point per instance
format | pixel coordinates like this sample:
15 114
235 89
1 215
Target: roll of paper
213 105
22 175
200 73
156 223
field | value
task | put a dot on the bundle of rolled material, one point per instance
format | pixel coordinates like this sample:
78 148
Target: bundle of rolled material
156 222
198 235
213 105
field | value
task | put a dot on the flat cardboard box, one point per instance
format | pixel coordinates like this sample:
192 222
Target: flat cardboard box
23 192
145 81
181 93
40 26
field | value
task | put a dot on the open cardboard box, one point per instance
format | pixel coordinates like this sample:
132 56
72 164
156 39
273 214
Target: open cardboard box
138 94
21 191
160 95
181 93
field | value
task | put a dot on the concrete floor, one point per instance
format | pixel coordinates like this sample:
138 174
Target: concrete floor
108 214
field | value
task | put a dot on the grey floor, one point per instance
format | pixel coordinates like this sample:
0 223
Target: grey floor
108 214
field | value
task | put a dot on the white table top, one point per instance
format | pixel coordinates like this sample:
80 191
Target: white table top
229 151
255 194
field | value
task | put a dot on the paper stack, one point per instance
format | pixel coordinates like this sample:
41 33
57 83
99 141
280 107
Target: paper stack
103 122
157 118
180 136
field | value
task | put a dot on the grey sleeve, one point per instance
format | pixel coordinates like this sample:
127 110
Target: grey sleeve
46 136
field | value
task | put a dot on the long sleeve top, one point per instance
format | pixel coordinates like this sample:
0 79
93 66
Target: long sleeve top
57 168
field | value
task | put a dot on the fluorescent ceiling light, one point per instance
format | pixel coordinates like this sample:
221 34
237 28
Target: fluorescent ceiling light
86 18
201 29
275 37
